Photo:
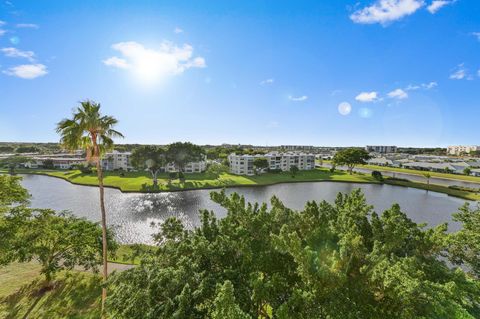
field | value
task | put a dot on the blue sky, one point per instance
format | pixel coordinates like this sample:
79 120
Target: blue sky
401 72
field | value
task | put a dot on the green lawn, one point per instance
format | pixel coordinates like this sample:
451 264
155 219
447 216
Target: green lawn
437 188
140 181
22 294
418 172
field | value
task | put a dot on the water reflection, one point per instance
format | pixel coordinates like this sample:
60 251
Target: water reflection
132 214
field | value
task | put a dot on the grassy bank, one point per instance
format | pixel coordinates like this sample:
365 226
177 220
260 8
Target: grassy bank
23 294
141 181
436 188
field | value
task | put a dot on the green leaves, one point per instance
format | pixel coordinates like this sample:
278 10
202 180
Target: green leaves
338 260
11 192
351 157
56 240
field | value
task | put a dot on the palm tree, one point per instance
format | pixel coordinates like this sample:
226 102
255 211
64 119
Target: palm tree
94 133
427 176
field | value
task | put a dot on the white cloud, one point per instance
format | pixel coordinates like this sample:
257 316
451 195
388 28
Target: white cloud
298 98
430 85
16 53
398 94
27 71
2 22
425 86
477 35
27 25
116 62
177 30
437 5
2 32
367 97
460 73
386 11
267 81
154 64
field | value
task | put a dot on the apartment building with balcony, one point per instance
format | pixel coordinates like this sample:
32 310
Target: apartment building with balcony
117 161
192 167
244 164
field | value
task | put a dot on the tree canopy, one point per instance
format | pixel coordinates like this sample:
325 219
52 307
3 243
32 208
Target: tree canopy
351 157
181 154
260 163
339 260
152 158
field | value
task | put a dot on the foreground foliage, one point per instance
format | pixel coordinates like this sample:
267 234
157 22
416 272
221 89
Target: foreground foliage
338 260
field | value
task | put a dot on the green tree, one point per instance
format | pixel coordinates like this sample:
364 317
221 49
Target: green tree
294 170
330 260
181 154
56 241
427 176
11 191
225 306
377 175
216 169
48 164
467 171
88 129
351 157
260 163
464 245
14 162
151 158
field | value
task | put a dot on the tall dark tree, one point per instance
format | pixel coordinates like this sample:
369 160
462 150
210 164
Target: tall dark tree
351 157
260 163
181 154
151 158
88 129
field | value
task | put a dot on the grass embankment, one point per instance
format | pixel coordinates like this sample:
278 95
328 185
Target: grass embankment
459 177
23 294
436 188
141 181
419 172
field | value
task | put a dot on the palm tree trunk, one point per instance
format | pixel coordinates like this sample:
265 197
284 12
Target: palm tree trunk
104 233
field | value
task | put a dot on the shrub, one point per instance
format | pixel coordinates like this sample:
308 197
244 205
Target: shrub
377 175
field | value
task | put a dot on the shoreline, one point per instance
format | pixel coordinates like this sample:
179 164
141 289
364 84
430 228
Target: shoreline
471 196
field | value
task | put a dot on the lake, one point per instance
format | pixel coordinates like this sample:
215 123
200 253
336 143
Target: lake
132 214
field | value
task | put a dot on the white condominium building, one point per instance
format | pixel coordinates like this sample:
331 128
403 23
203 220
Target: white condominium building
192 167
117 161
243 164
383 149
462 149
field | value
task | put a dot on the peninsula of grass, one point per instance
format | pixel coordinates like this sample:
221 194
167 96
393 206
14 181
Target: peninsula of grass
141 181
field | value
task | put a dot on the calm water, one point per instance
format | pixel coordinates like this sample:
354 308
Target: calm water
132 214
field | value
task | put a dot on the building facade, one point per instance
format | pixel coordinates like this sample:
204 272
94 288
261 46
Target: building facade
243 164
192 167
382 149
117 161
462 149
